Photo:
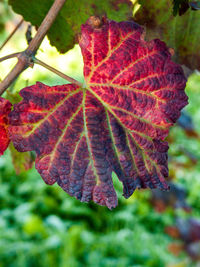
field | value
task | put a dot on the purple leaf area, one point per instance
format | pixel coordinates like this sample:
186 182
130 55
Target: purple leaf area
5 108
117 123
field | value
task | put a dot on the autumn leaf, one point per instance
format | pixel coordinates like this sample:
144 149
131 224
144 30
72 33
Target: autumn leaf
117 123
5 108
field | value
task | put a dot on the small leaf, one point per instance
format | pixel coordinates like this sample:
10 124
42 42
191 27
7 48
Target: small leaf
21 161
5 108
117 123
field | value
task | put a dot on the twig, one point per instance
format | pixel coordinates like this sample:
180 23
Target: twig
64 76
25 58
12 33
9 56
21 65
44 27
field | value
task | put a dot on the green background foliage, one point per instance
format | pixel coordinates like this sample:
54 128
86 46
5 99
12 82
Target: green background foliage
182 33
179 32
64 30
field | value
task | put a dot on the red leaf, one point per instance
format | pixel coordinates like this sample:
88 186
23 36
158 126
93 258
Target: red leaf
5 108
133 94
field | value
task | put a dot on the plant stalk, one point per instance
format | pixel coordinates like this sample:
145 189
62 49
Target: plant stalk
12 33
64 76
25 57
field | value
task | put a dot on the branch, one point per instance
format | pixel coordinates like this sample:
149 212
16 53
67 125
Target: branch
64 76
44 27
25 57
12 33
9 56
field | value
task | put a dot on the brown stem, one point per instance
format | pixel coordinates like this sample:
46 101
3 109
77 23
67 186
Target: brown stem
21 65
9 56
64 76
12 33
44 27
24 59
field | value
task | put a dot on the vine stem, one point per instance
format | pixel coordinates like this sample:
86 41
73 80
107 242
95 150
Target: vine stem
25 58
44 27
9 56
64 76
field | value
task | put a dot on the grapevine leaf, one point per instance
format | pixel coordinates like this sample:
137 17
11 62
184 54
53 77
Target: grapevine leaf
21 161
180 32
117 123
67 25
5 108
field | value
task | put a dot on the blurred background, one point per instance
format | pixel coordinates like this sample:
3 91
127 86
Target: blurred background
41 225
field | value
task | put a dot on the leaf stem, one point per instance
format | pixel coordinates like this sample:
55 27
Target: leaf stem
25 58
64 76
